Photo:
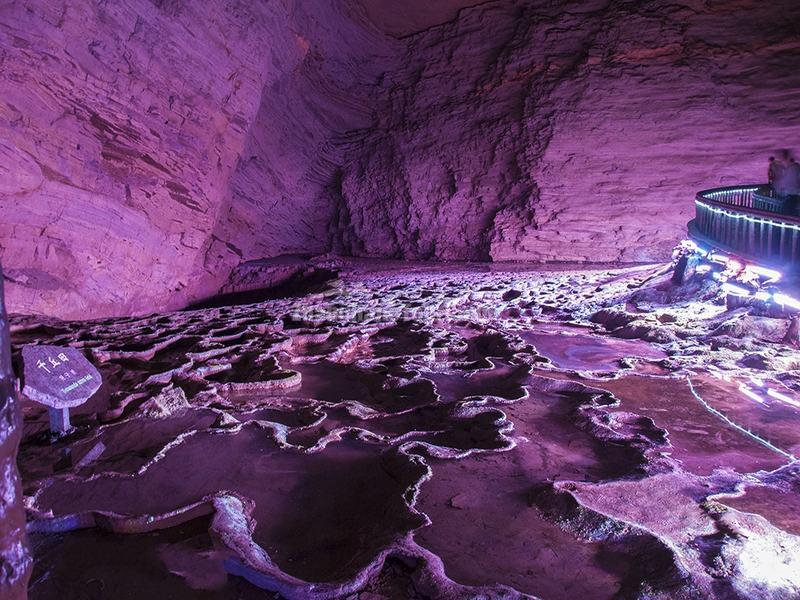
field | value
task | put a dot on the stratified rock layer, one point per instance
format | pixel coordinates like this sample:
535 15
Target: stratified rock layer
148 148
571 130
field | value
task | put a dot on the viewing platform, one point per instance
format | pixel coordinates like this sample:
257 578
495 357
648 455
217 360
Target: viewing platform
749 222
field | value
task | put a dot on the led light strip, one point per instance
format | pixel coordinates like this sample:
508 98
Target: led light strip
732 423
782 397
734 215
786 300
751 394
734 190
770 273
764 296
736 290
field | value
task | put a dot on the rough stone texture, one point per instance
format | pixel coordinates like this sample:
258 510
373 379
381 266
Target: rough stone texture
572 131
15 559
151 146
148 147
123 123
278 201
263 274
444 432
408 17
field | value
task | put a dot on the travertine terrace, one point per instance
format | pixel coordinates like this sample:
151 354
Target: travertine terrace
447 434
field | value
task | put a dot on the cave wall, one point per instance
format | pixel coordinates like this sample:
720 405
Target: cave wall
122 124
278 200
151 146
569 131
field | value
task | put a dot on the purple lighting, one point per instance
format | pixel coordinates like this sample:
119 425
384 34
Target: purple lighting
388 299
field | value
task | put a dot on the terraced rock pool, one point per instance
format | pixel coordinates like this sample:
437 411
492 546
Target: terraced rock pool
450 434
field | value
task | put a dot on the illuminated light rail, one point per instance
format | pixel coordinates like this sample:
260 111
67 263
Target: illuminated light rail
786 300
771 392
751 235
769 273
751 394
762 295
750 223
735 289
744 430
782 397
746 217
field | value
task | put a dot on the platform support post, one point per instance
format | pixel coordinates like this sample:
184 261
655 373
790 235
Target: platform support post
59 420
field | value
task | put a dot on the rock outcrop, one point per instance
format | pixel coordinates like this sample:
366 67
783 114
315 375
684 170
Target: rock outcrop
149 147
122 125
571 131
15 558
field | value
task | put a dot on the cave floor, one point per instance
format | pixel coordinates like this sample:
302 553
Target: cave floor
437 433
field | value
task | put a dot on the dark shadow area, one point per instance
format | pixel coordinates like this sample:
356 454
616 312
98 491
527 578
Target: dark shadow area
313 281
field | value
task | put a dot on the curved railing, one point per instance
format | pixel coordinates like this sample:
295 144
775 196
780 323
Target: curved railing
748 221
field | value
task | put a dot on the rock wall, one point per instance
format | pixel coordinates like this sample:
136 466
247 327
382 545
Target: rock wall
150 146
569 131
122 124
278 201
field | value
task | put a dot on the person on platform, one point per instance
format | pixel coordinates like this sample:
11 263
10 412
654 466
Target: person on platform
780 174
772 171
791 179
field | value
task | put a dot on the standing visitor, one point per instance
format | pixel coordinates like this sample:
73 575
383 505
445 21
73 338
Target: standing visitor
772 172
791 185
779 171
791 178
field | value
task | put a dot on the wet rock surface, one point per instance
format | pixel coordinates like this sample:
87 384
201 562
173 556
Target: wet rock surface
437 433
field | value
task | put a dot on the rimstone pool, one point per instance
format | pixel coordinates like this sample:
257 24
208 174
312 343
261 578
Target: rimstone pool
451 433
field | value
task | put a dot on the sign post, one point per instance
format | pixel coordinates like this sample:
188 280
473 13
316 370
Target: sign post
59 378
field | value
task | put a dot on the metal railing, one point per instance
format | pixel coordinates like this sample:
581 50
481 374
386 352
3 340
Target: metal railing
748 221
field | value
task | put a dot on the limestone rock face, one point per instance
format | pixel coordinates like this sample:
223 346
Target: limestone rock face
122 123
150 146
278 201
572 131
